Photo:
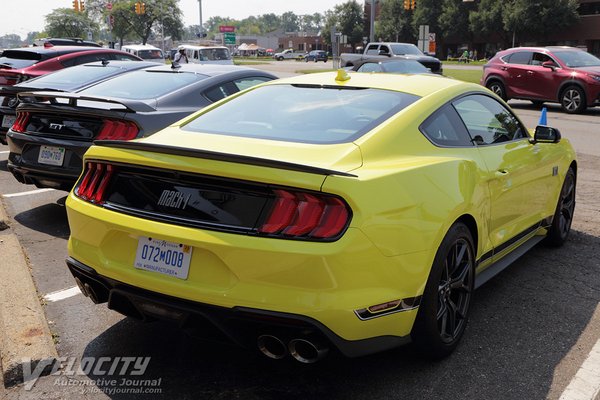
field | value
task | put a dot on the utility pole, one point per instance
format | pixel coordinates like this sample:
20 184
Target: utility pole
372 30
200 7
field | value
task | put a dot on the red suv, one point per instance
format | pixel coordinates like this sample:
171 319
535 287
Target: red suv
18 65
566 75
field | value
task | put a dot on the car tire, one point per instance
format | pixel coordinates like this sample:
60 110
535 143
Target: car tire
444 308
498 88
572 100
279 58
563 216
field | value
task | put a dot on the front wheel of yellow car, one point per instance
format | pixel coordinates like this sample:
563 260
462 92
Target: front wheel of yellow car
444 308
563 216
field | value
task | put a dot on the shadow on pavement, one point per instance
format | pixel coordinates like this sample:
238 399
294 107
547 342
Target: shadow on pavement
522 325
49 218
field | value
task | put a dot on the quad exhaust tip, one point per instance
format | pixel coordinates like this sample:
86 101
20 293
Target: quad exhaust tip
307 351
271 346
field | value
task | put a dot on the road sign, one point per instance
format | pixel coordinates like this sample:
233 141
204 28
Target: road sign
226 28
229 38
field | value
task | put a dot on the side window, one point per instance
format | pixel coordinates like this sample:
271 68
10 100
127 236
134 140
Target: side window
488 121
245 83
369 67
384 49
540 58
221 91
520 57
122 57
372 50
445 128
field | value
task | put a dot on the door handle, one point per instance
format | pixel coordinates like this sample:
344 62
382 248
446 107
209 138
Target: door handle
503 68
529 72
501 172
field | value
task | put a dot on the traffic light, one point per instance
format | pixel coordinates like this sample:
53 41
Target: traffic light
413 4
76 5
142 8
138 8
407 4
81 6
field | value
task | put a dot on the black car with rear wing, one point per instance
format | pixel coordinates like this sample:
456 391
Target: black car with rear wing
53 130
70 79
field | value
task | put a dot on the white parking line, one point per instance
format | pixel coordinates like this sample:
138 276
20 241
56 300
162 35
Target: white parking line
4 152
586 383
62 294
27 193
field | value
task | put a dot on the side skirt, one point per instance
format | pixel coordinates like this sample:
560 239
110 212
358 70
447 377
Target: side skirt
505 261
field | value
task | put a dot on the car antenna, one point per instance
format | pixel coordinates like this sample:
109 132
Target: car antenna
175 65
105 62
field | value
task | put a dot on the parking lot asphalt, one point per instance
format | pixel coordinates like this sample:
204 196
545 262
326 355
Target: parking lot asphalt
533 328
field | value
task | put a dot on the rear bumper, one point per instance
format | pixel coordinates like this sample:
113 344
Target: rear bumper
23 161
329 284
239 325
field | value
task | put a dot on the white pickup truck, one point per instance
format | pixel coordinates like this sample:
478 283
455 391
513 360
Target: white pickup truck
389 50
288 55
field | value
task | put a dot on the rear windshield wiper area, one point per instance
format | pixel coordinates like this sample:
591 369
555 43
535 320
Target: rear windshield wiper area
311 86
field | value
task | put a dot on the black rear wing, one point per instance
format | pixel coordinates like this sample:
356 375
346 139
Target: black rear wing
74 100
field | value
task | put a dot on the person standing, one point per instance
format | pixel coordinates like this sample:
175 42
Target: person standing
180 57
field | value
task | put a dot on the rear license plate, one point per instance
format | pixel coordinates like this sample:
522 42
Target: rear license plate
8 121
51 155
163 257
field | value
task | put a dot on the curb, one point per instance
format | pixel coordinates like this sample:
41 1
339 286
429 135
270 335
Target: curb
25 339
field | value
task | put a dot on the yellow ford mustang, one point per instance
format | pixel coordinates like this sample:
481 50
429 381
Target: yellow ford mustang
348 211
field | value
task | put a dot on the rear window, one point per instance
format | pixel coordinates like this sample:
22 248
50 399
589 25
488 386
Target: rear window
299 113
139 85
19 59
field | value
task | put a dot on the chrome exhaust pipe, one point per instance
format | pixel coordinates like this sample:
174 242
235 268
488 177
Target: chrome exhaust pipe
271 346
306 351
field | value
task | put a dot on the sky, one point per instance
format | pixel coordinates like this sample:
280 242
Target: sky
15 20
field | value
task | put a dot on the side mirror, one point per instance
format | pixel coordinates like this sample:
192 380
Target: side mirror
546 134
549 64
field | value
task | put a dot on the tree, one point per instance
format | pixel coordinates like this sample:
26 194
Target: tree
487 19
346 18
538 18
427 12
289 22
394 23
65 22
454 18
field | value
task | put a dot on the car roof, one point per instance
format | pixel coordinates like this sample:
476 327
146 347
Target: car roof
420 85
543 49
56 49
205 69
139 47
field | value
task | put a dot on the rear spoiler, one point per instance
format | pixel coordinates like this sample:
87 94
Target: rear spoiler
213 155
74 98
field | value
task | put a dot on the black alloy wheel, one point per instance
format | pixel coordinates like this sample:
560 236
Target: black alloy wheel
563 216
444 309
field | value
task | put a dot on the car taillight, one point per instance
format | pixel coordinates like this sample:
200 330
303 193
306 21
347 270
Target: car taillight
306 215
118 130
21 122
96 178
